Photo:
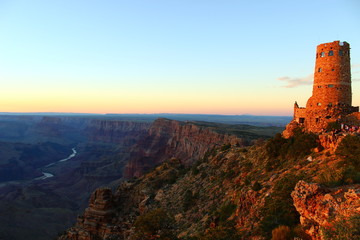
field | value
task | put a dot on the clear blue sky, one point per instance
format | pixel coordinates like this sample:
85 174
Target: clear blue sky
174 56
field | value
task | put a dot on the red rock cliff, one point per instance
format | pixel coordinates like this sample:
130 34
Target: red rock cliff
96 217
115 131
167 139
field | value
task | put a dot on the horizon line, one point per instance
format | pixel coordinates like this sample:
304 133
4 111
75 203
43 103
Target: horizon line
79 113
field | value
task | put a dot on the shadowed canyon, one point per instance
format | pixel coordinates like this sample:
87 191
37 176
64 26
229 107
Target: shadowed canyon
50 164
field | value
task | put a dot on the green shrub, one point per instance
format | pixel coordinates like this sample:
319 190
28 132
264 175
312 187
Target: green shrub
243 150
344 229
225 147
256 186
155 224
350 149
333 126
221 233
281 233
285 151
351 175
339 175
299 233
279 208
274 146
331 177
301 144
247 165
225 211
230 174
189 200
195 170
210 153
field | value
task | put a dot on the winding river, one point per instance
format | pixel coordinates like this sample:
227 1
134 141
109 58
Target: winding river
49 175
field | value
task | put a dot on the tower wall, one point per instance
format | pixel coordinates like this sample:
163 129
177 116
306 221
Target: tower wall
332 76
331 96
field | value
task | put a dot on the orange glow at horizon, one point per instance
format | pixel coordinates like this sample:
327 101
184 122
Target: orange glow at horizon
132 99
104 106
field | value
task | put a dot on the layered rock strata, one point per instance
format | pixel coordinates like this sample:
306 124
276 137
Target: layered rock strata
96 217
173 139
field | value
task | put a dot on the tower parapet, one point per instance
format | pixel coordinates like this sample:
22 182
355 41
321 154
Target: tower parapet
331 98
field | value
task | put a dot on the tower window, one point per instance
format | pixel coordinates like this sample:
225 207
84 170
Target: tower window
301 120
319 104
341 53
333 69
320 70
331 53
322 54
331 85
330 104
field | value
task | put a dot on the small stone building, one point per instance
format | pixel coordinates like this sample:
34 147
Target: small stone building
331 98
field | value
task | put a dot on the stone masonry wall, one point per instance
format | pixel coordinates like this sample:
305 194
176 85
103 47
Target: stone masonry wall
332 77
331 98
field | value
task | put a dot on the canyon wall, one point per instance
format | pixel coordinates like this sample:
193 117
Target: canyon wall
114 131
167 139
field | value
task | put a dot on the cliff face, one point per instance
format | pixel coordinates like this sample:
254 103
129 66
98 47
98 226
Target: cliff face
103 147
320 208
100 210
167 139
95 130
122 132
232 193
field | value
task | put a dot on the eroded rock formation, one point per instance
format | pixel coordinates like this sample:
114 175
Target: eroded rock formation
96 217
169 138
320 207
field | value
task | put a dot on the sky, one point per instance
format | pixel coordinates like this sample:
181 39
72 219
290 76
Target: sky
168 56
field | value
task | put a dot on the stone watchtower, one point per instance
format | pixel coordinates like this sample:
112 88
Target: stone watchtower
331 97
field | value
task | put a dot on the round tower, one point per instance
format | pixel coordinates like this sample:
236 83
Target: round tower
332 77
331 97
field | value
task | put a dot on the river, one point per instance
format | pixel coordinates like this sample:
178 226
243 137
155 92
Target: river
49 175
65 159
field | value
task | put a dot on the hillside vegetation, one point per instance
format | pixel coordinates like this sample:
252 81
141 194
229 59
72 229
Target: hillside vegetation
231 193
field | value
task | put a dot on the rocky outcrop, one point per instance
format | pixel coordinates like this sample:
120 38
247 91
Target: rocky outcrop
229 194
167 139
290 129
96 217
331 141
320 207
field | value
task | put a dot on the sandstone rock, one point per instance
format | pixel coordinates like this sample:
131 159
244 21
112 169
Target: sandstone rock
290 128
159 195
168 139
320 207
96 219
330 141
